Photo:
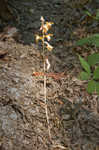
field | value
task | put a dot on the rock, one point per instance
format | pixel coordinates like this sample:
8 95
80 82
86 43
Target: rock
8 120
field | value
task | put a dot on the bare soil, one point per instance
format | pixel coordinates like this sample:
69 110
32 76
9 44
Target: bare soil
73 113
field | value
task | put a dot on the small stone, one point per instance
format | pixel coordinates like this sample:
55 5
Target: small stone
13 116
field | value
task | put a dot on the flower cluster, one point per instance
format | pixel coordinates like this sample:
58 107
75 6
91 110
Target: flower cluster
45 26
45 38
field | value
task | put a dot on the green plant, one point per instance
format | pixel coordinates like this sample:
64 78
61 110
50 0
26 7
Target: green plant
91 40
89 74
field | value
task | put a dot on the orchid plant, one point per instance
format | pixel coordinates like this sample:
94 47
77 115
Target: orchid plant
45 37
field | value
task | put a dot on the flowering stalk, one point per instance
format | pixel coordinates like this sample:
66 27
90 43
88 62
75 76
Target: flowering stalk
45 26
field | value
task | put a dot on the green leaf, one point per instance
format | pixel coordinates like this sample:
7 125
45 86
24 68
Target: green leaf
85 65
83 41
93 59
96 74
88 13
97 87
91 86
91 40
96 42
84 76
97 14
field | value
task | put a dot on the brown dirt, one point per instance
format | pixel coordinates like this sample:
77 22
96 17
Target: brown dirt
73 113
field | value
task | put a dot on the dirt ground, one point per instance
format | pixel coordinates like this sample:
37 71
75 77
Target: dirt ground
73 113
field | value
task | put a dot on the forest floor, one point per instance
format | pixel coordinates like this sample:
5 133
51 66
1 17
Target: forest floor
73 113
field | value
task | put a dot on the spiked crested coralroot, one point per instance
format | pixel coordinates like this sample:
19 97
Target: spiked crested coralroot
45 37
45 26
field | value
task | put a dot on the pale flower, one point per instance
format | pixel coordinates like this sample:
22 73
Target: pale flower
47 63
42 19
48 36
48 46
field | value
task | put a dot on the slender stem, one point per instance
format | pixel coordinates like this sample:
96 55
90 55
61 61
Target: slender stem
45 79
46 108
43 44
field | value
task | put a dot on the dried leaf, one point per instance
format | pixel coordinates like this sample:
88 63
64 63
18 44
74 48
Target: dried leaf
56 76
